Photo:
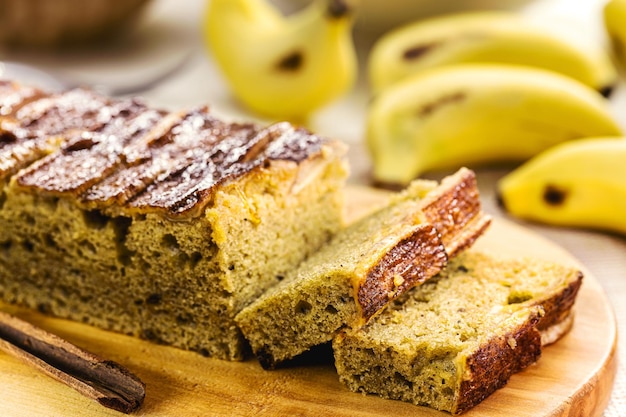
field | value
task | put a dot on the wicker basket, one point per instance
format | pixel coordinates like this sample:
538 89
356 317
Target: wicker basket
44 23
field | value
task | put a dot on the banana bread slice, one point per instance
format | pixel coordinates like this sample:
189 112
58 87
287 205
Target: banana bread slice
364 267
157 224
454 340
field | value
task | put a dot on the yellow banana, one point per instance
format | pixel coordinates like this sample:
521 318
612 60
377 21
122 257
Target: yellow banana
615 25
581 183
475 115
280 66
489 37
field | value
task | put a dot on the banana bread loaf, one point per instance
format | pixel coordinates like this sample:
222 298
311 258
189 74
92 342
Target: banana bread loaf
365 266
156 224
452 341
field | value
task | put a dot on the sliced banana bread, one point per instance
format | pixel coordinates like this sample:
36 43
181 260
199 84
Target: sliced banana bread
452 341
161 225
364 267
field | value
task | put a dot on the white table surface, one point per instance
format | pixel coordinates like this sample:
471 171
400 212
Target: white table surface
170 37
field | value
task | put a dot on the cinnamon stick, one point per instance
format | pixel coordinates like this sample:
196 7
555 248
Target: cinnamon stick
104 381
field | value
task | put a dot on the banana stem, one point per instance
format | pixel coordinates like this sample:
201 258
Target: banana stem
338 8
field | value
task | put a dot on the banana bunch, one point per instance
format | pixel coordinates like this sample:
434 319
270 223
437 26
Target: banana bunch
615 25
281 66
478 114
485 37
581 183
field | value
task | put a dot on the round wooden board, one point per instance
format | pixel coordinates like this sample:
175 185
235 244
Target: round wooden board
573 378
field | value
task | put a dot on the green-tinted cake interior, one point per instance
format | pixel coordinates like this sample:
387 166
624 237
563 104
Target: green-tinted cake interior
364 267
161 225
450 342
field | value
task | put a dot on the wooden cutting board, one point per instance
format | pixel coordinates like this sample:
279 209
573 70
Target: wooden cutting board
574 377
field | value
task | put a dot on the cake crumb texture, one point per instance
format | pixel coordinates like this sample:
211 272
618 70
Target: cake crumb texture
158 224
450 342
364 267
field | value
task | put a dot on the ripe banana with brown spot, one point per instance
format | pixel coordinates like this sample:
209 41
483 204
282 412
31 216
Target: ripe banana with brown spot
581 183
472 115
484 37
283 67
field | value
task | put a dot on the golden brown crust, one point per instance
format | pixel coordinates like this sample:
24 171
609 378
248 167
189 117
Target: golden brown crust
466 237
558 308
40 126
164 169
236 150
454 220
109 152
491 366
412 261
455 207
88 156
55 114
143 164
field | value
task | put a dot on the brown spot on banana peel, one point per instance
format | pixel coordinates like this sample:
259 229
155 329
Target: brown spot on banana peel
619 55
429 108
418 51
554 195
607 90
292 62
336 9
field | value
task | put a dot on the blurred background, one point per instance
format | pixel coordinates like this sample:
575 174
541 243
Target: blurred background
156 49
